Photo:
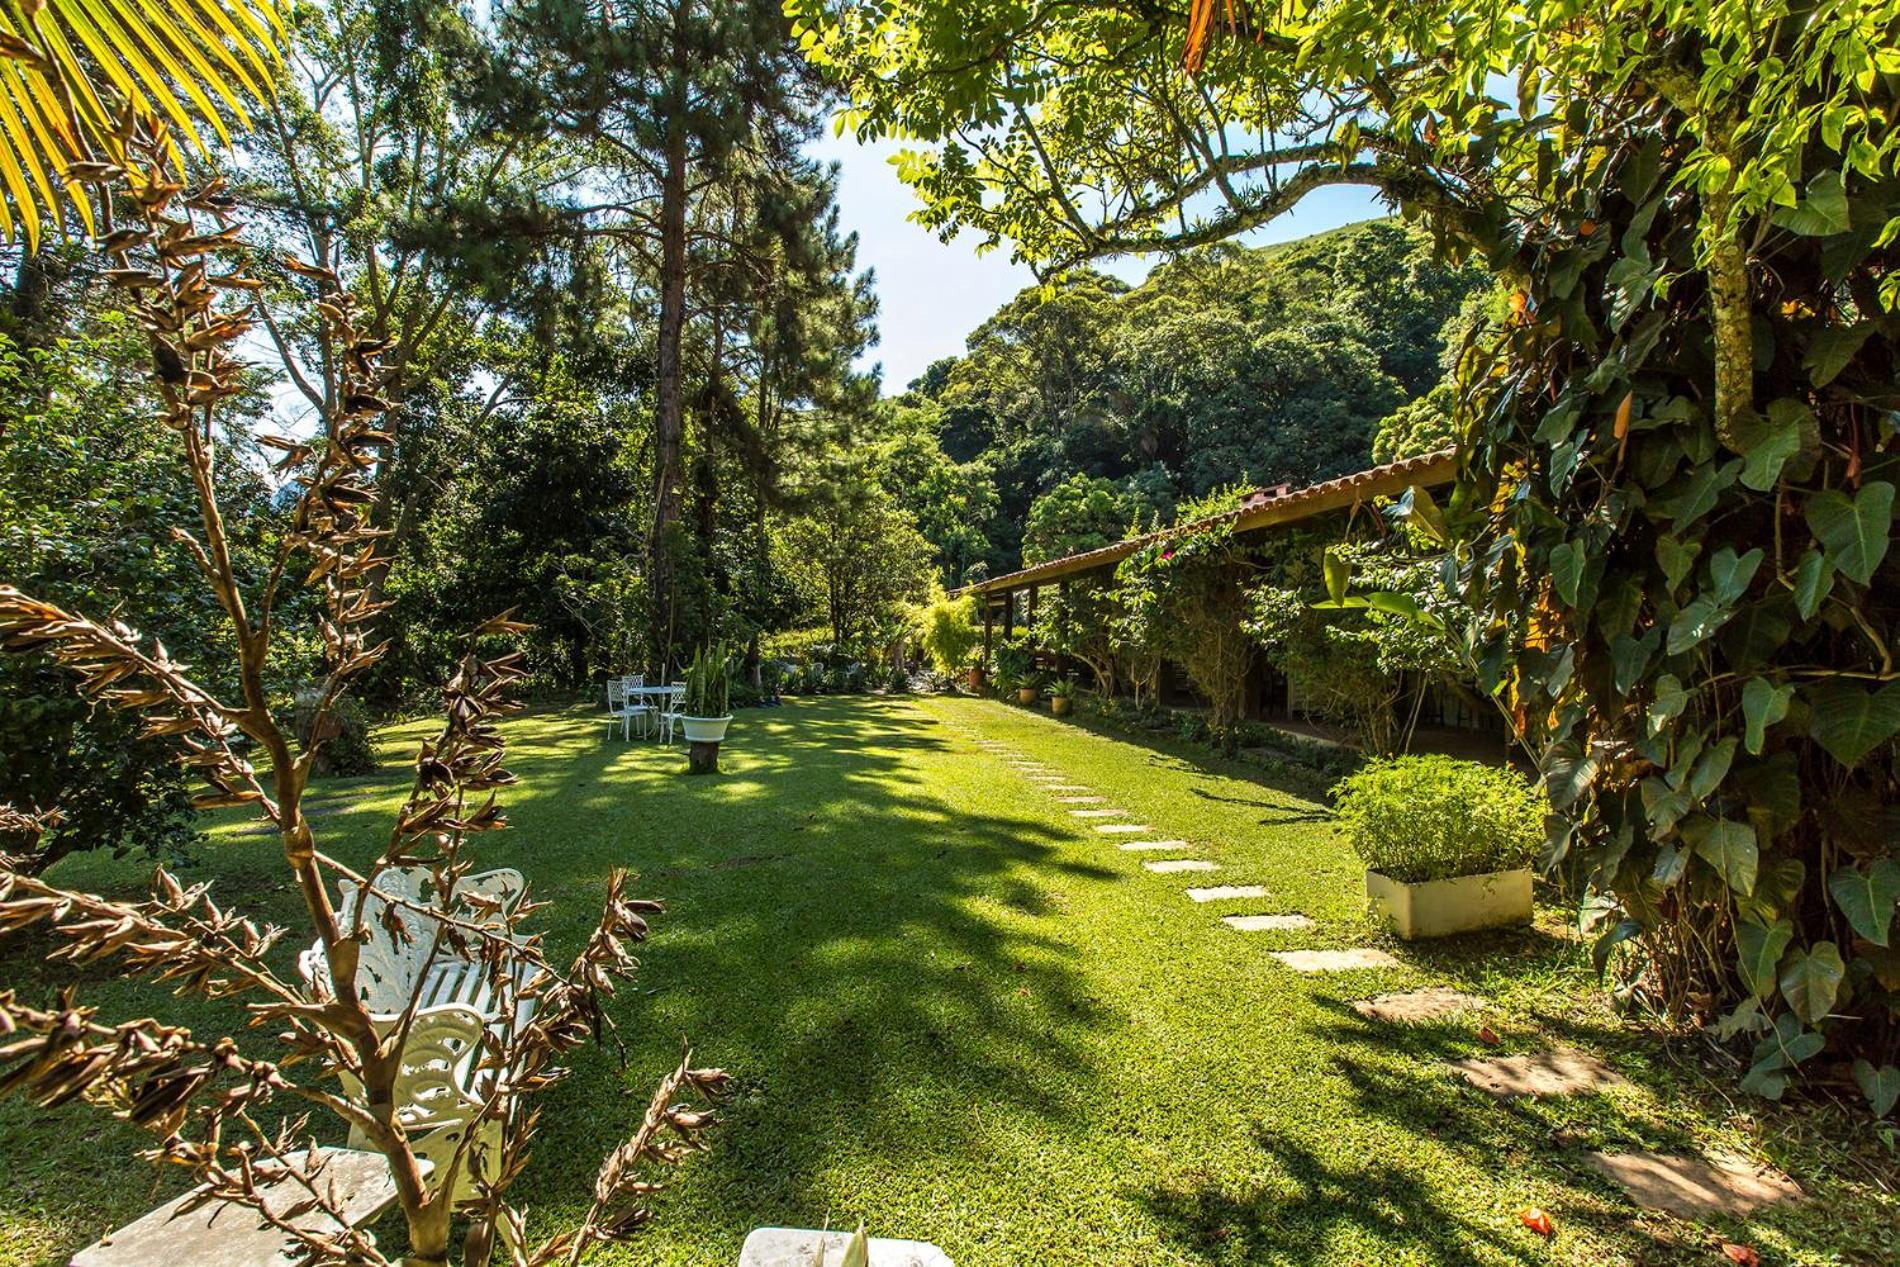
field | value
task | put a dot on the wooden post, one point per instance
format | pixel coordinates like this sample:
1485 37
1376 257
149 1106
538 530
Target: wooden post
702 757
989 619
1009 614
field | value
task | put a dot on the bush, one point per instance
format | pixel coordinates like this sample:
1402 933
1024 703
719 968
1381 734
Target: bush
899 681
1421 818
349 752
949 633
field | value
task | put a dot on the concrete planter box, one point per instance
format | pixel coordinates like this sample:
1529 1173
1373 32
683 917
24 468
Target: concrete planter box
1462 904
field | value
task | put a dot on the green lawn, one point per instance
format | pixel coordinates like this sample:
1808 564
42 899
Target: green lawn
956 1013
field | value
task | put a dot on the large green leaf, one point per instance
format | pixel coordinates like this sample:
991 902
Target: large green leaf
1868 897
1811 981
1831 350
1771 440
1759 948
1850 721
1729 847
1881 1086
1822 210
1763 704
1854 531
1813 578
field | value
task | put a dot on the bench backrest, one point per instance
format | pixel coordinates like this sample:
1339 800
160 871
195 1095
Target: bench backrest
399 940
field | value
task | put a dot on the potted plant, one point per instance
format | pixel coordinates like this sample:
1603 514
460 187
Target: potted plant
1447 844
1062 696
1029 689
704 713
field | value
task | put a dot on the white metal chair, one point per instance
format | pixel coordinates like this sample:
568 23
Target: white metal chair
627 705
672 711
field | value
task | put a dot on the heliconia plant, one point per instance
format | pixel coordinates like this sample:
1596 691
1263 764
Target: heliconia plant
178 258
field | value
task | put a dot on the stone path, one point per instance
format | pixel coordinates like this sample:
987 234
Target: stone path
1222 892
1266 923
1691 1188
1335 960
1544 1073
1414 1006
1688 1187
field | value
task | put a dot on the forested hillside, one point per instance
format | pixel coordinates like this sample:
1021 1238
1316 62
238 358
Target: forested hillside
1084 406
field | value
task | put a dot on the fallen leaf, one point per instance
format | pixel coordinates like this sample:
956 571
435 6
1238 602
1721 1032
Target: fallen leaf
1743 1254
1537 1221
1489 1037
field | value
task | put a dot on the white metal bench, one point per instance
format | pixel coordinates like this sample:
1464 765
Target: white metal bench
441 1085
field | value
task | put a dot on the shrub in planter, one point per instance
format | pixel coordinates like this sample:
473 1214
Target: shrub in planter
1447 843
899 681
706 711
1029 689
1062 696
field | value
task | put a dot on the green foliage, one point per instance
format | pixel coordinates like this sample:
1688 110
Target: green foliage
950 635
89 497
1182 599
1084 410
1064 688
1419 818
1081 513
708 683
1077 620
1695 206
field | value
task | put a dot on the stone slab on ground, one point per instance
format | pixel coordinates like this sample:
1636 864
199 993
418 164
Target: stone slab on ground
1168 866
1544 1073
1098 813
1336 960
1266 923
794 1247
1062 787
1691 1188
1122 829
1434 1002
1080 800
1144 846
1222 892
219 1234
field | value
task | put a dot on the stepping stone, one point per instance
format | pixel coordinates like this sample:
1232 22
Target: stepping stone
1138 846
1544 1073
1121 829
1433 1003
1080 800
1098 813
1691 1188
1221 892
1063 787
1265 923
1168 866
795 1247
191 1230
1335 960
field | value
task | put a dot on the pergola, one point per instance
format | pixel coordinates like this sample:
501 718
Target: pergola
1003 597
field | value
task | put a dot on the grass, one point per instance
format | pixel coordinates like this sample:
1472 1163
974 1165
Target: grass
956 1013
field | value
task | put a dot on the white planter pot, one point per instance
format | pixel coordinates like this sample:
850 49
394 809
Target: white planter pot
705 729
1462 904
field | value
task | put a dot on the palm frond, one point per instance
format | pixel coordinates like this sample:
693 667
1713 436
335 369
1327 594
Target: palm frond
68 68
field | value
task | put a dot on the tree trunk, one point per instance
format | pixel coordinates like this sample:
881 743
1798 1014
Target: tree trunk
669 418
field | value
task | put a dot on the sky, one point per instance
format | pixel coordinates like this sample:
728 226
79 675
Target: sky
931 294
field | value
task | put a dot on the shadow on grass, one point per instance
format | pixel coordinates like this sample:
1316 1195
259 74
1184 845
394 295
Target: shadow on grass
867 949
854 931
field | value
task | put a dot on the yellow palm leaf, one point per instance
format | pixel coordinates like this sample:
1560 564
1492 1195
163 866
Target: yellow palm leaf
68 66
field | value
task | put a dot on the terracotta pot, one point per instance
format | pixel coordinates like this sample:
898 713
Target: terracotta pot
1059 705
975 679
1027 695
